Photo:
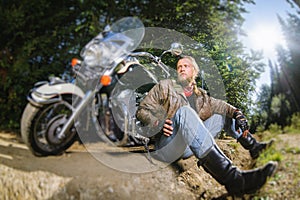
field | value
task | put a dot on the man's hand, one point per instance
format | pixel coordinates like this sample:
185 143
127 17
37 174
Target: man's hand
168 129
241 123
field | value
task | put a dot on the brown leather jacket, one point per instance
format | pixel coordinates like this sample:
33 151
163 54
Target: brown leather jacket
164 99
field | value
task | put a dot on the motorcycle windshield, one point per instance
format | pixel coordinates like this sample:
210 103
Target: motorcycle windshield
124 36
133 28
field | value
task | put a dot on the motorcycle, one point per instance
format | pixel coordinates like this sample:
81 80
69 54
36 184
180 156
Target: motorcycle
111 79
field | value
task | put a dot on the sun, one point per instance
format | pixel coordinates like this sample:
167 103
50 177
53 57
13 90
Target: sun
266 38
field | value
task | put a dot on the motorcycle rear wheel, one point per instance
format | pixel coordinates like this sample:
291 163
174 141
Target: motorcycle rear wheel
40 126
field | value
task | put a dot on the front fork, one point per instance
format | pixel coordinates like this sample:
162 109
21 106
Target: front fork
88 97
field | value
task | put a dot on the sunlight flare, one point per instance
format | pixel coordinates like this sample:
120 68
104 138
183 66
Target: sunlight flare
266 38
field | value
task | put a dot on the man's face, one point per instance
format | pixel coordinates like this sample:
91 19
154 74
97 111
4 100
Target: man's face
185 71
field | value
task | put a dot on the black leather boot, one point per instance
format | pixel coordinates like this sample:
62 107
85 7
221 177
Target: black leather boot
254 147
236 182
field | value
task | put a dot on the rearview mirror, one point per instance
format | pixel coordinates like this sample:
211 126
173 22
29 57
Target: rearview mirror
176 49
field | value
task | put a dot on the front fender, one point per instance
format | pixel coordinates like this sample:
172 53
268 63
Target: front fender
50 93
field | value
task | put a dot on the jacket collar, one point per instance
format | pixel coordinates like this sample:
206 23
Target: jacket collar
178 88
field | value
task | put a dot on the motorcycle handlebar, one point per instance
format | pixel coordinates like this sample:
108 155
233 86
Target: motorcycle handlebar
152 57
143 54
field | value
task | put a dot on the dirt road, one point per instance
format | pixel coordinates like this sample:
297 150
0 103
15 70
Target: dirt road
76 175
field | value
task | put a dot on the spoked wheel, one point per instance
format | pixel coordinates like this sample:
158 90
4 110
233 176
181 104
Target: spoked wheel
41 126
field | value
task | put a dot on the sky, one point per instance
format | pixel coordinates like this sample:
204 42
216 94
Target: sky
264 31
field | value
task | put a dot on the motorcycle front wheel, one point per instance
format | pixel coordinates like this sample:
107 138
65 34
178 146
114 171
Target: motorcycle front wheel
41 125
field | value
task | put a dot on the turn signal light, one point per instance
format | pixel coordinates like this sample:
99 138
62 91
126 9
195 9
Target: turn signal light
74 62
105 80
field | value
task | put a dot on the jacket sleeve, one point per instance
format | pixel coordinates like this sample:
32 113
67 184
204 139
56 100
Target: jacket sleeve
221 107
151 111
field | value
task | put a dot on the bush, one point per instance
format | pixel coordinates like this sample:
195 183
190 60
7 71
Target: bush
295 124
275 128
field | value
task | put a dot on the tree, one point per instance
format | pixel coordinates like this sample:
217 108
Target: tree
284 98
297 2
280 108
289 60
39 38
262 112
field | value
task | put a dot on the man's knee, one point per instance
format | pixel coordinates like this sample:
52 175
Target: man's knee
184 110
186 114
215 124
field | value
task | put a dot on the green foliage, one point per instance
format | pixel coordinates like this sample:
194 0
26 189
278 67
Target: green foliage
295 122
39 38
35 42
233 145
275 128
270 154
294 127
280 110
293 150
261 111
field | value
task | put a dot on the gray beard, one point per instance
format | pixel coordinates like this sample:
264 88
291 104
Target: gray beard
184 82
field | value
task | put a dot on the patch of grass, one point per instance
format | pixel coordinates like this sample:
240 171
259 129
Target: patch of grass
277 177
233 145
286 182
270 154
293 150
267 135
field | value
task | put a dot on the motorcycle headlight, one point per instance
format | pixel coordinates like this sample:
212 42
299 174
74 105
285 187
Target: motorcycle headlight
92 55
100 55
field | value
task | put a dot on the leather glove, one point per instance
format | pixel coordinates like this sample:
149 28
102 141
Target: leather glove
241 122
